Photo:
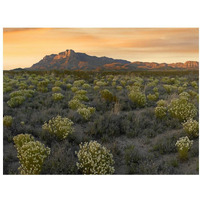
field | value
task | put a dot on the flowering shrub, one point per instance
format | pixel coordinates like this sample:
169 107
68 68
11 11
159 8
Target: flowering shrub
81 97
152 97
22 139
58 126
160 111
96 87
56 89
74 104
168 88
94 159
138 98
16 101
74 89
182 109
184 95
113 83
100 83
24 93
123 83
191 127
78 83
161 103
86 113
119 87
86 86
69 85
155 89
183 145
7 120
57 96
107 95
31 153
194 84
180 89
81 92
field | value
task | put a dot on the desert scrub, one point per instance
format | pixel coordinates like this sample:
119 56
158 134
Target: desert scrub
57 96
168 88
86 86
59 127
31 153
74 89
96 87
160 111
75 104
182 109
68 85
153 97
184 95
183 145
16 101
56 89
138 98
86 113
81 97
161 103
107 95
22 139
7 121
191 127
119 87
94 159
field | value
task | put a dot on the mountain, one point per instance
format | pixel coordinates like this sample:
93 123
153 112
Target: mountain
70 60
73 61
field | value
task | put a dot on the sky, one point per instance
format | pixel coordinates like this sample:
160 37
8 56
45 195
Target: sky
23 47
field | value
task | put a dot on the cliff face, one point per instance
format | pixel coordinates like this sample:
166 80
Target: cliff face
70 60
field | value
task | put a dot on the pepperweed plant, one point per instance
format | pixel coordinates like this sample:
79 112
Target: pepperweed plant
59 127
31 154
183 145
94 159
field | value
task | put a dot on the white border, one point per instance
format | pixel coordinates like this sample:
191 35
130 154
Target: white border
91 13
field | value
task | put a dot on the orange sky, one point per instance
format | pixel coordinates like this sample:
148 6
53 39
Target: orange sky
23 47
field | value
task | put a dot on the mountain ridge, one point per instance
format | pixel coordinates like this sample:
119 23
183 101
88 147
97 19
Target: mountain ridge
70 60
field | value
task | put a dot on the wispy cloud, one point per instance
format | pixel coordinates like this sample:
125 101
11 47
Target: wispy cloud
155 44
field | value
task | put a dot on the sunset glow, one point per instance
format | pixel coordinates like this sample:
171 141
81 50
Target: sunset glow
24 47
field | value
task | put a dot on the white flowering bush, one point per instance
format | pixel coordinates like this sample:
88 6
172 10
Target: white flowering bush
31 154
160 111
182 109
22 139
183 145
94 159
138 98
184 95
74 89
68 85
152 97
78 83
168 88
119 87
86 86
16 101
86 113
57 96
161 103
96 87
56 89
107 95
7 121
81 97
74 104
191 127
59 127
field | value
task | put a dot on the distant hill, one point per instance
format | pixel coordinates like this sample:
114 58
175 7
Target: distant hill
70 60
